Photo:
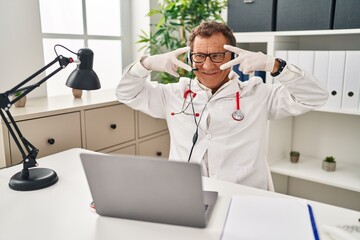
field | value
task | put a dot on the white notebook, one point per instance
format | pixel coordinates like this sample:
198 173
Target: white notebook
271 218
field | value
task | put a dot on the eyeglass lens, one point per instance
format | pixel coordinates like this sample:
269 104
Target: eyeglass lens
214 57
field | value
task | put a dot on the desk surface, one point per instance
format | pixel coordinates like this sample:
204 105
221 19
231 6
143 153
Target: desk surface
63 211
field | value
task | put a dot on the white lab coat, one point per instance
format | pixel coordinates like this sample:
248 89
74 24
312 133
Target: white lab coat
235 151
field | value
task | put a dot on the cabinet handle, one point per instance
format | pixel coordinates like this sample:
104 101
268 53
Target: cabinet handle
51 141
113 126
333 93
350 94
158 154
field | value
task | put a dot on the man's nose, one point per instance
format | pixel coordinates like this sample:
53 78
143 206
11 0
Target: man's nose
208 64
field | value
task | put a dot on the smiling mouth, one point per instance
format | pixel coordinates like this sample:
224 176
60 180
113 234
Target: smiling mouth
210 73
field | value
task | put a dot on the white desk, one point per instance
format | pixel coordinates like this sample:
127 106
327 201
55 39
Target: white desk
62 211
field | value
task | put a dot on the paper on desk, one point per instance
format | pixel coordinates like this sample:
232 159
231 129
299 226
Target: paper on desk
256 217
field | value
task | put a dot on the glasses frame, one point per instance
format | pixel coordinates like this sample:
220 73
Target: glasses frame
208 55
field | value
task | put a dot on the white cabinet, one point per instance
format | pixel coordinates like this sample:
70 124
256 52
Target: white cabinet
149 125
316 134
155 147
96 121
148 145
131 150
151 136
109 126
49 134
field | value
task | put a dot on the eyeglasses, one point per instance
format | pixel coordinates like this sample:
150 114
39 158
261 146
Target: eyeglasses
217 57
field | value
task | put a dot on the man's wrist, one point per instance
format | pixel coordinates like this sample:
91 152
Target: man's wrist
138 70
143 62
278 67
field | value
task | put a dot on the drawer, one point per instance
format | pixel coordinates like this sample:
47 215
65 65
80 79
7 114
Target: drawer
149 125
156 147
49 134
131 150
109 126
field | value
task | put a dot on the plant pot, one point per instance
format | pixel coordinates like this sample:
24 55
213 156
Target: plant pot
328 166
21 102
294 157
77 93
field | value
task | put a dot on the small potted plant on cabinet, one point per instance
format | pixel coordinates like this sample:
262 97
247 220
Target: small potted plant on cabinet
294 156
21 102
329 164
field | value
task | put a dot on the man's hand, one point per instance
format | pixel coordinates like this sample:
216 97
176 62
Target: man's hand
249 61
167 62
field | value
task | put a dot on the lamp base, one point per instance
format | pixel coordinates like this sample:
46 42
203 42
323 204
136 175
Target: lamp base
38 178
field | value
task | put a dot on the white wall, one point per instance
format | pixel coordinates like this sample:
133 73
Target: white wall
139 9
21 52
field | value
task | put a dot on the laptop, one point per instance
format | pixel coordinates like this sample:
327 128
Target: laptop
148 189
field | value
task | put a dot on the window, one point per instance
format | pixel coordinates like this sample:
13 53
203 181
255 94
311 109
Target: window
94 24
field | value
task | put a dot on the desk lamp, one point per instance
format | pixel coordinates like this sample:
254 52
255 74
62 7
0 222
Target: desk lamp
83 77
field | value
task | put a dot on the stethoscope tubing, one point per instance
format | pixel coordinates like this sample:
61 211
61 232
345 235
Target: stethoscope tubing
237 115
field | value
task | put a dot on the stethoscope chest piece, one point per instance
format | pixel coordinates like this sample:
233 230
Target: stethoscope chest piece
238 115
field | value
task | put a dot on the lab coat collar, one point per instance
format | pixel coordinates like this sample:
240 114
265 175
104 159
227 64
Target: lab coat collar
228 88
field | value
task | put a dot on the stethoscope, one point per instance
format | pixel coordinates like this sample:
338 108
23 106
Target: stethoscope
186 106
237 115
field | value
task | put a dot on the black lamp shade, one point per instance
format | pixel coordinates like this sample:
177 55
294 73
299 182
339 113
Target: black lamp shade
84 77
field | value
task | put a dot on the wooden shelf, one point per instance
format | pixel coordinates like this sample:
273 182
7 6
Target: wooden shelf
355 113
346 176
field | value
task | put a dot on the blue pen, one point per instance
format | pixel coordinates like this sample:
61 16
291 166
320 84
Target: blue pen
313 224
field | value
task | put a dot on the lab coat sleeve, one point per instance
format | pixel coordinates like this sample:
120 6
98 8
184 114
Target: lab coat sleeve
295 92
137 91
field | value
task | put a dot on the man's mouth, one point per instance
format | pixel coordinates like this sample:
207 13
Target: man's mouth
210 73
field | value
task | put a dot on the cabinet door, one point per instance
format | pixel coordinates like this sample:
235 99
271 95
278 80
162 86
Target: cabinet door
109 126
49 134
149 125
156 147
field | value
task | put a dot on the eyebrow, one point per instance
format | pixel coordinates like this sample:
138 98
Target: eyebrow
208 53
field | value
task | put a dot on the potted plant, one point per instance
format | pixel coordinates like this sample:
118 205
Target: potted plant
294 156
178 18
329 164
22 101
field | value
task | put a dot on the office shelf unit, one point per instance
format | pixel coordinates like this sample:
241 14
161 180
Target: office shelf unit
97 122
316 134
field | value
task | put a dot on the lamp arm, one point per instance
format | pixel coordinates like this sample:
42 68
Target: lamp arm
63 61
31 151
28 151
